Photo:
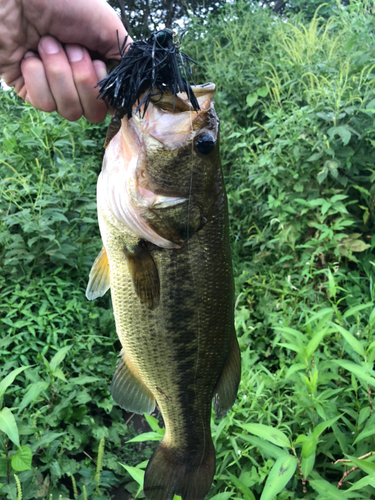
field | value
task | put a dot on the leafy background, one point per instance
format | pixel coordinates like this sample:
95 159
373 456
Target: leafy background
296 99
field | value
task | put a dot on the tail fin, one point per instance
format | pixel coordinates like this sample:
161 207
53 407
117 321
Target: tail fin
175 472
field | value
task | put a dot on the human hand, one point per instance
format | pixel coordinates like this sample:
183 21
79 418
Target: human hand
46 50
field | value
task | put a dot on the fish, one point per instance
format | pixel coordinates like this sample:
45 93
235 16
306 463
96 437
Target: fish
163 219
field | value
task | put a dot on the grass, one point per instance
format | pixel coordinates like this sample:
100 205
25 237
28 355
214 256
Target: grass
296 101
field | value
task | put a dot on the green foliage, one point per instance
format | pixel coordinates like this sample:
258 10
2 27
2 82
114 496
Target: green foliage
296 99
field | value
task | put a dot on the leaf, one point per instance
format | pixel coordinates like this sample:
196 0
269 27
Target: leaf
7 340
338 197
264 446
294 368
322 175
223 496
307 465
309 446
342 131
22 459
326 311
332 167
268 433
350 339
310 442
47 438
5 383
84 379
154 424
33 392
357 370
315 156
59 357
327 490
320 428
365 465
251 99
243 488
137 474
371 104
3 467
328 117
59 374
262 91
368 431
280 474
316 341
362 483
8 426
146 436
355 244
355 309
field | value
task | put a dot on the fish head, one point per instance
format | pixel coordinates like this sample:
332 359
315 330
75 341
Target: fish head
181 144
164 165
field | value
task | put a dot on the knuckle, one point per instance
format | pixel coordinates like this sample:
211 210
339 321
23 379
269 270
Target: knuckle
71 115
47 106
96 116
53 71
84 79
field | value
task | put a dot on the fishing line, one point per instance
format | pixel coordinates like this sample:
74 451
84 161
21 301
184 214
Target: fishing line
194 284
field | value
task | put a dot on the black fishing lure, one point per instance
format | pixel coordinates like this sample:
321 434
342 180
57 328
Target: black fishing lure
153 66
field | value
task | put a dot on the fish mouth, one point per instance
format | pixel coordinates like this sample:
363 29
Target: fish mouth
125 185
171 120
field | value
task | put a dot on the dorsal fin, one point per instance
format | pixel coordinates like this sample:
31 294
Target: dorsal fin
99 278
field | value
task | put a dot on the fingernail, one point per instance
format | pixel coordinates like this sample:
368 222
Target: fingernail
49 45
29 54
74 53
100 69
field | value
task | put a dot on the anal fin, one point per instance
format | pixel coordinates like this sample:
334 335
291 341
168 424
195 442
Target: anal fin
144 274
99 278
226 389
129 391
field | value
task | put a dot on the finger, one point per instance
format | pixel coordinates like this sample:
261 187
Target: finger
101 72
85 80
60 78
95 28
100 69
36 90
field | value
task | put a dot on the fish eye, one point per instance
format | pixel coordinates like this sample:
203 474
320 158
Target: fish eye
204 143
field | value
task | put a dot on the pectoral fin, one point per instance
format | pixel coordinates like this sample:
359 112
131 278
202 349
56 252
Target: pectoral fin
175 222
129 391
99 280
144 275
226 389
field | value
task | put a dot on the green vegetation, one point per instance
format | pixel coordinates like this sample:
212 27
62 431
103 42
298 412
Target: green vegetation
297 102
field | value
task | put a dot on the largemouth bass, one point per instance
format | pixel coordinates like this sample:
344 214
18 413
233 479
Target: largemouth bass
163 219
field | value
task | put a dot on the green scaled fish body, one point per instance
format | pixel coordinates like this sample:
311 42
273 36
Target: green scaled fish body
163 219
